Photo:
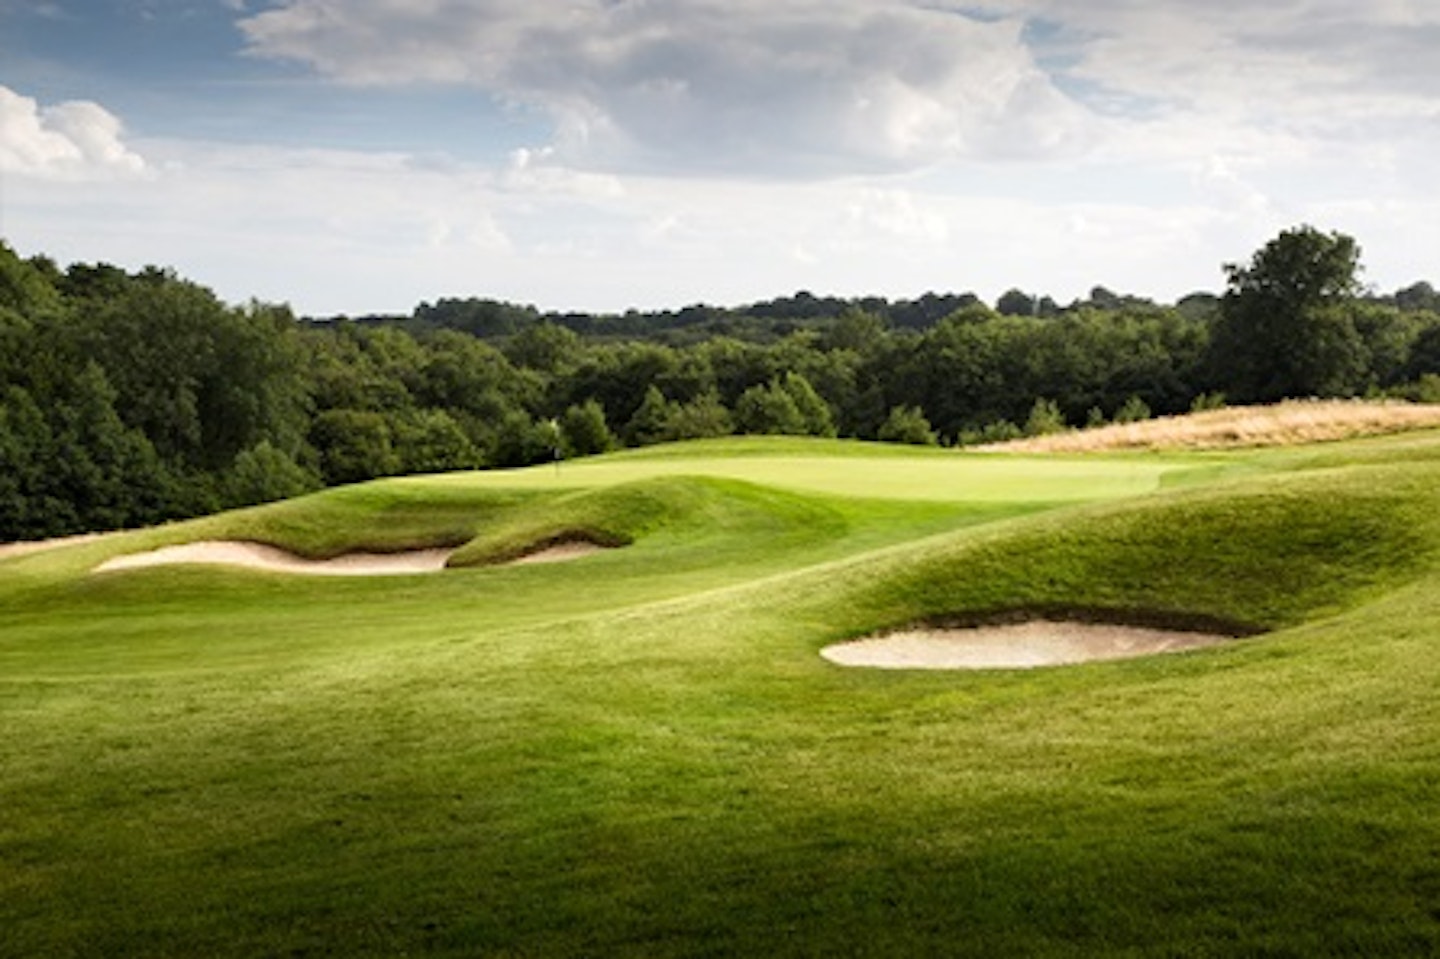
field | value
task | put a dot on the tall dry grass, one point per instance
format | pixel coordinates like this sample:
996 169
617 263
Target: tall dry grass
1288 423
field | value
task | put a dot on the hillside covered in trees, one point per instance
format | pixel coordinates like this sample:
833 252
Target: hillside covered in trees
131 398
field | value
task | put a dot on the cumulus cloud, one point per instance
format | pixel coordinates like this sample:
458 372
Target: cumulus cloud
776 86
1313 65
74 140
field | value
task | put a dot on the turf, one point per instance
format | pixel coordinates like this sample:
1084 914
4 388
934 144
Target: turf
641 753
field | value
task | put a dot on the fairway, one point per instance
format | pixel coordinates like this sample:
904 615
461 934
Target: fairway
642 751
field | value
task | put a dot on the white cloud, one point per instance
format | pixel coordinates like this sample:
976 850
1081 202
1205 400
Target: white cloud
1315 65
792 87
538 171
353 232
803 88
75 140
1174 137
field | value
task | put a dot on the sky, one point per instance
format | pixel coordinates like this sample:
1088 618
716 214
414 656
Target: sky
364 156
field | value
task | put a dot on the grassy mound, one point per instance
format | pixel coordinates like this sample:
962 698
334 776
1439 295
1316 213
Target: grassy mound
644 754
701 512
1266 553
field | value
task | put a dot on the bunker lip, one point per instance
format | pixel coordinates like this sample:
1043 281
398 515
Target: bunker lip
1031 639
571 544
266 558
560 552
261 556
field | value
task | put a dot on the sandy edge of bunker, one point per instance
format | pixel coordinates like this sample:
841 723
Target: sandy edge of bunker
1018 645
260 556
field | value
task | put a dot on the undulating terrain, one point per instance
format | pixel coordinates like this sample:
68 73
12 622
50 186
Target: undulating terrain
642 752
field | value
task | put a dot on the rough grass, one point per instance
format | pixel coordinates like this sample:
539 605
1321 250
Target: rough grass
642 754
1289 423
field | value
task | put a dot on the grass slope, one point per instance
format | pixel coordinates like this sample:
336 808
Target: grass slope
640 753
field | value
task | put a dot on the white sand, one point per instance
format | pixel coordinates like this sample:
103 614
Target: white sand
1012 646
258 556
559 553
271 559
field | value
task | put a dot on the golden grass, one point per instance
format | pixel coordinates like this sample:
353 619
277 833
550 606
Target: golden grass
1288 423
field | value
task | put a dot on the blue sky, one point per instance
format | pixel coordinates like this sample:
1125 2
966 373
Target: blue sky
367 155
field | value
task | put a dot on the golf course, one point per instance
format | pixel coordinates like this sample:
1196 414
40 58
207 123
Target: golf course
646 747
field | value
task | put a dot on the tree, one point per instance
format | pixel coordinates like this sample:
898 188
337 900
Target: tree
1424 353
647 425
854 330
354 445
769 409
1134 410
263 474
544 346
1016 303
1286 326
702 417
522 441
1418 296
814 411
584 431
430 441
1045 418
907 424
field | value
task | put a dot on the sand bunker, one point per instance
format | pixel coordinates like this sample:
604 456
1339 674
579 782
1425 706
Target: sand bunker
259 556
560 552
1013 646
270 559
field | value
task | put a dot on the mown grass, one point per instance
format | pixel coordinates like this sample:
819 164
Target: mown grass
640 753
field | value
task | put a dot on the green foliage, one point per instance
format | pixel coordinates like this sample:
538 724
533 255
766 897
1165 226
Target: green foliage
856 330
1287 323
263 474
521 440
205 384
1017 303
814 412
787 405
25 290
703 417
74 465
999 431
1425 350
769 409
647 424
543 346
431 441
354 445
1045 418
907 424
584 431
1134 410
1428 389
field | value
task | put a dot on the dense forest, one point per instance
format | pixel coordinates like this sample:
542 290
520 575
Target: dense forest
131 398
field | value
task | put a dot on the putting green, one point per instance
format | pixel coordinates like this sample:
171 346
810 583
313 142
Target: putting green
941 477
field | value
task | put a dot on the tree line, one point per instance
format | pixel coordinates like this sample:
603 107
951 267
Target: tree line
132 398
